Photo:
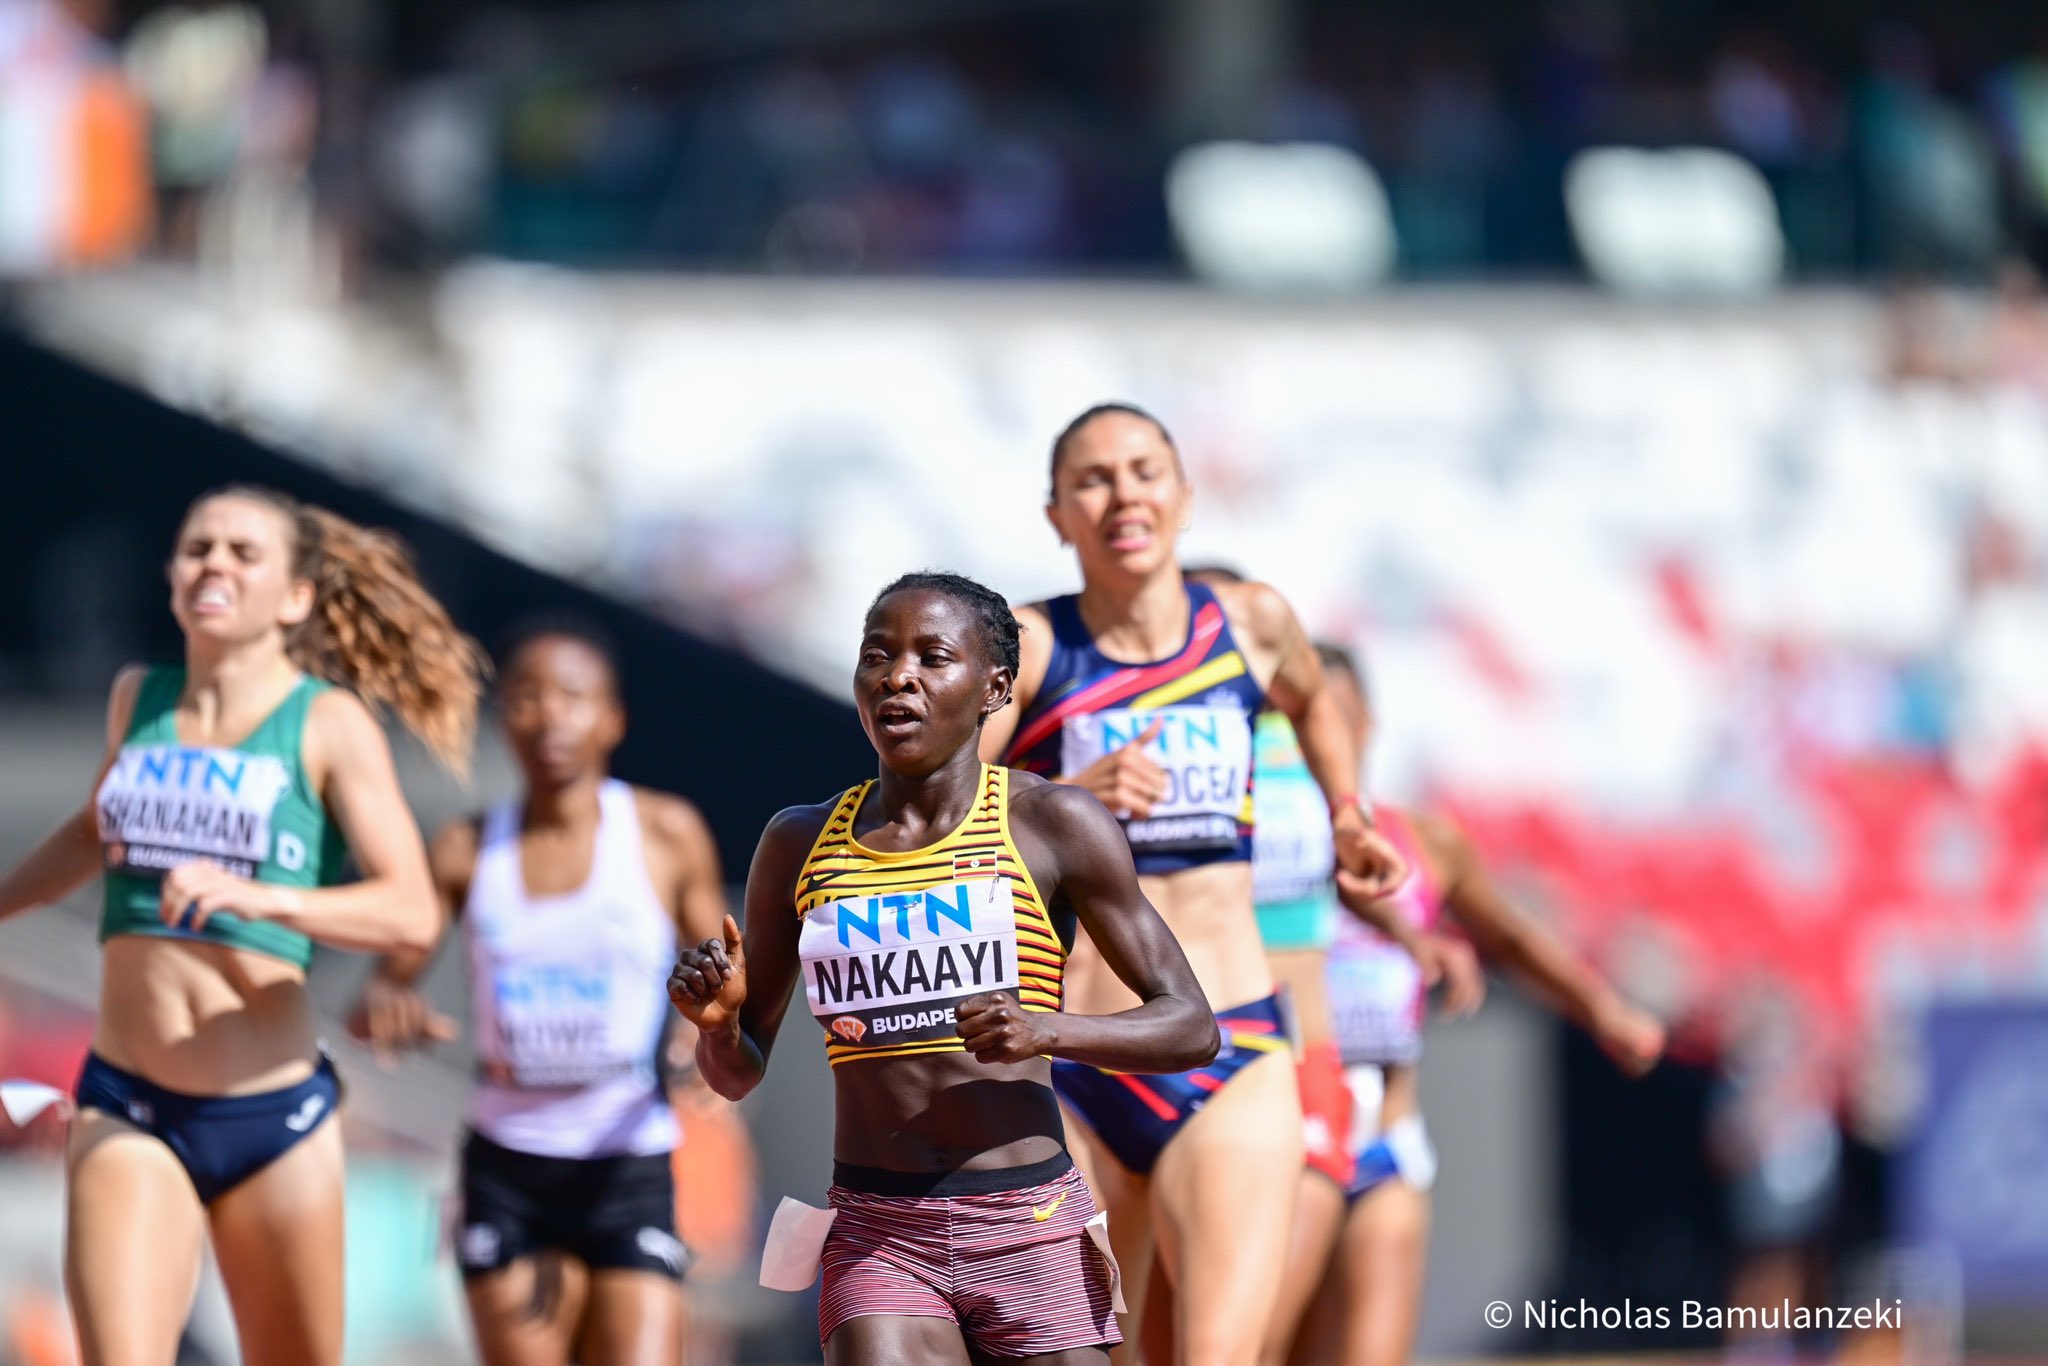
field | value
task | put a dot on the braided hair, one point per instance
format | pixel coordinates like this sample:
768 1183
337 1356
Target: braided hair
994 622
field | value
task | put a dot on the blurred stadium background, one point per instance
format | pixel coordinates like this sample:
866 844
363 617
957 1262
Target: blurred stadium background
1656 394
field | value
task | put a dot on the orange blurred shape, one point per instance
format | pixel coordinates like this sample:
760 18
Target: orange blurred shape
38 1329
110 208
714 1170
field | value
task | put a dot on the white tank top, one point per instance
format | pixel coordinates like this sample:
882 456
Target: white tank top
568 1000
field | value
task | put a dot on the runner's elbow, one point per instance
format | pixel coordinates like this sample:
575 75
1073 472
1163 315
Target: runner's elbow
733 1086
1204 1039
734 1083
419 928
734 1089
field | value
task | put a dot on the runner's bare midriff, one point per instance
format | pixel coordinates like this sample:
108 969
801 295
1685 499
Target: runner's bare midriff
204 1019
1209 910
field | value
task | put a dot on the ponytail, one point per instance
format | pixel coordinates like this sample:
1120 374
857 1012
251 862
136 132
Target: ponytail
377 631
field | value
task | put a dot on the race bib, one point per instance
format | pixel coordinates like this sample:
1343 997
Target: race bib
1293 852
890 969
1207 755
1376 998
554 1028
165 805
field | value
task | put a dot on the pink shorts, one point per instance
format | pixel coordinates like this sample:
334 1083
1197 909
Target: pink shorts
1004 1254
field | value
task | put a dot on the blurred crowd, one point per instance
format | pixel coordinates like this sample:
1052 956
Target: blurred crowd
1011 139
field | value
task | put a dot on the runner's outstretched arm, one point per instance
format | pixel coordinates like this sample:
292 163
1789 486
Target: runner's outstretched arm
1630 1036
66 858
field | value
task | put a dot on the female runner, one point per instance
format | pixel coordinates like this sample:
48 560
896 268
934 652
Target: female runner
1293 860
922 912
1366 1311
573 901
1142 689
231 792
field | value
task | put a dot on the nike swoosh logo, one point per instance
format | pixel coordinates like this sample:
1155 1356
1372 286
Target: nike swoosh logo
307 1114
817 882
1039 1216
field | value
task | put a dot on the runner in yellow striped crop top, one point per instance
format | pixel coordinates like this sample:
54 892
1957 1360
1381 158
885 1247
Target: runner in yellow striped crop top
892 942
919 912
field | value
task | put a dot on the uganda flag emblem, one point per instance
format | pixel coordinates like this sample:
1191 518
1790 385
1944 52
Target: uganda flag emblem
975 865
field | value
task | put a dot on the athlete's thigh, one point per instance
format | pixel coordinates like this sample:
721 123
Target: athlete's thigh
632 1318
1385 1253
527 1312
278 1238
1318 1219
1319 1339
1222 1206
133 1233
1155 1323
888 1339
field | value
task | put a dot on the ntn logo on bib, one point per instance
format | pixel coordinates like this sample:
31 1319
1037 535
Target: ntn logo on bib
1206 752
1187 734
558 1006
890 968
190 802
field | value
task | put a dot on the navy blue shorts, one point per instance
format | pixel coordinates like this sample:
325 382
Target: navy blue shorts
221 1141
1375 1166
610 1213
1136 1115
1402 1153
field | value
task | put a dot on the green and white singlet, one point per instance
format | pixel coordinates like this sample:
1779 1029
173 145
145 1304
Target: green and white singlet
248 808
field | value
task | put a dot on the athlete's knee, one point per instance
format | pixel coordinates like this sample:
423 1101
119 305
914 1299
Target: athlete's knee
1214 1339
1220 1350
1273 1351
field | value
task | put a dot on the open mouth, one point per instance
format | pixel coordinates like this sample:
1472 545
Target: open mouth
894 718
1125 537
211 600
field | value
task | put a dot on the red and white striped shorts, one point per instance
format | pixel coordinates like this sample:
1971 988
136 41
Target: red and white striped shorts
1004 1254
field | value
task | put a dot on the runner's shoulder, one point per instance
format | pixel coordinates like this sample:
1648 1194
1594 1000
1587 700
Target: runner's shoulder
672 821
1033 613
1258 609
1055 810
794 829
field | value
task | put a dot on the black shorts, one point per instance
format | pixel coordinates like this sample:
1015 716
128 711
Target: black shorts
610 1213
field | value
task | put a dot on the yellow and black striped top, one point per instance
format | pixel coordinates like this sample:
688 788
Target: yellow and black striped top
892 942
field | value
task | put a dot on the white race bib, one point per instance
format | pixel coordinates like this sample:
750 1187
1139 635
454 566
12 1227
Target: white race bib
1376 1003
165 805
554 1027
1293 851
890 968
1207 755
